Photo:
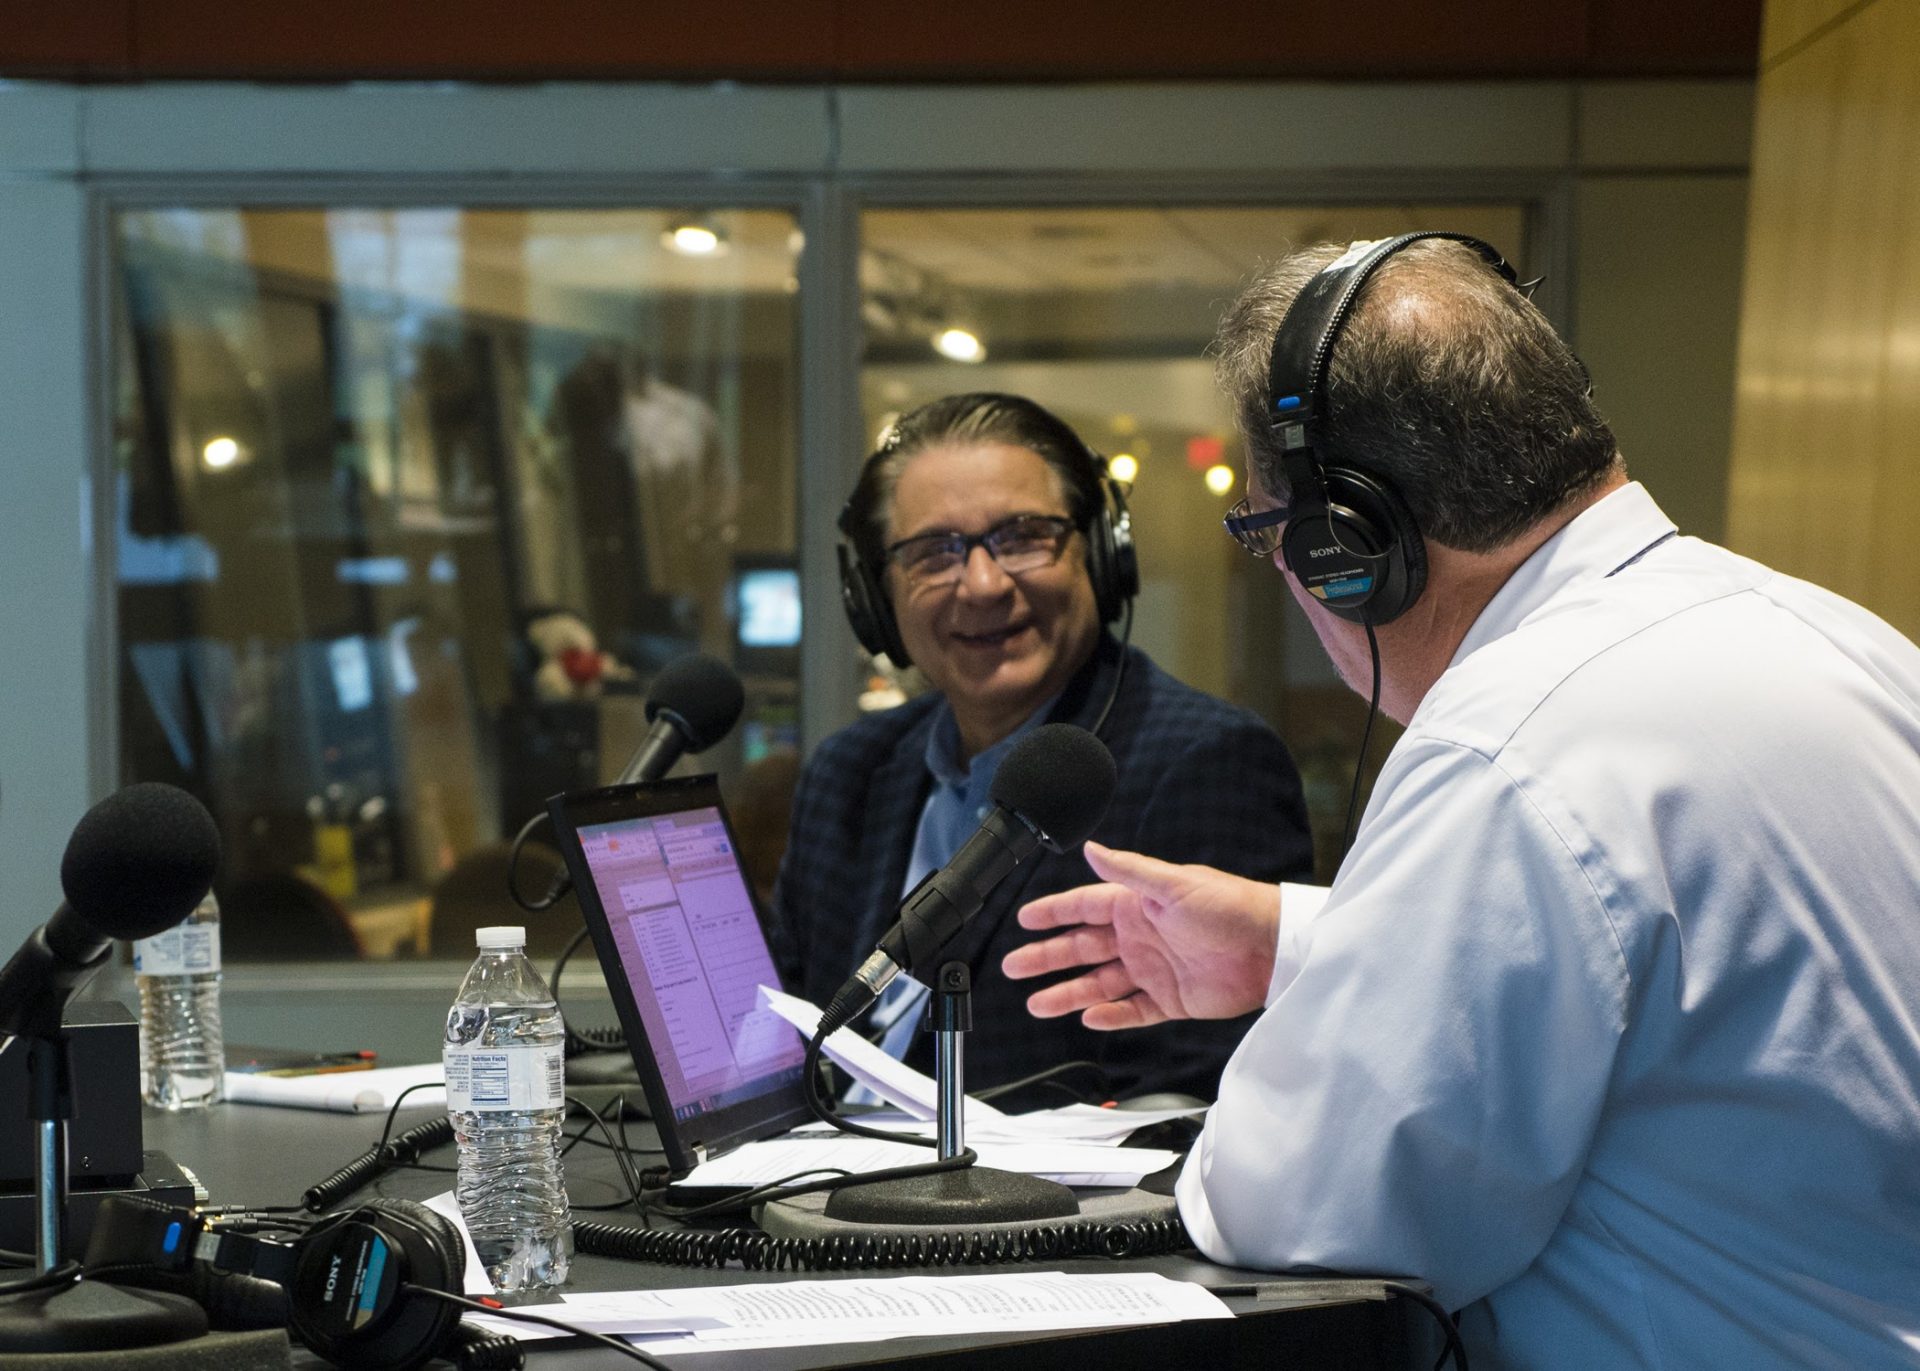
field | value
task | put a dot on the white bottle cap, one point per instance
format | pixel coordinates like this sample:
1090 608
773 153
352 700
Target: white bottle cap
504 935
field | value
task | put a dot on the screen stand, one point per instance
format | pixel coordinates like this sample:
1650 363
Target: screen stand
973 1194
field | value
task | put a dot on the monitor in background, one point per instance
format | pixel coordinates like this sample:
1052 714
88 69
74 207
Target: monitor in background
765 599
658 874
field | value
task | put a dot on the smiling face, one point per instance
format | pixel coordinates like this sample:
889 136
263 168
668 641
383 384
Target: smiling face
994 644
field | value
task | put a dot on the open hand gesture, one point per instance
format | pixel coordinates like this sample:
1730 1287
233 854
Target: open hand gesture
1157 942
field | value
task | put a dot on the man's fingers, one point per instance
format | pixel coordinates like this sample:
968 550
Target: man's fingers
1084 946
1097 987
1137 1011
1087 904
1147 876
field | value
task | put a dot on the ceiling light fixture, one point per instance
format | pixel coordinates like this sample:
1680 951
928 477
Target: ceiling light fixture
959 344
694 238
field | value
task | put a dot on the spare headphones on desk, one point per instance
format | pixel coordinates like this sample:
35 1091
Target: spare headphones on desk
348 1285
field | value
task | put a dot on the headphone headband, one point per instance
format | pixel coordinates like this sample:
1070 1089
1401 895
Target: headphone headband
1303 344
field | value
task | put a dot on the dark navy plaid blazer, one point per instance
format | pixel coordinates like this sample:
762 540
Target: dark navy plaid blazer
1200 780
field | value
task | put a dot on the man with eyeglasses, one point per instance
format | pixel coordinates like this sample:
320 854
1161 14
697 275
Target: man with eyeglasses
1609 1025
983 546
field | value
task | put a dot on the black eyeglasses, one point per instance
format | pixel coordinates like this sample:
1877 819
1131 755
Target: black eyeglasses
1026 542
1258 531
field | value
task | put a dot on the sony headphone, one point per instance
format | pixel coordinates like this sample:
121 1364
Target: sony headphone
1112 564
344 1286
1350 540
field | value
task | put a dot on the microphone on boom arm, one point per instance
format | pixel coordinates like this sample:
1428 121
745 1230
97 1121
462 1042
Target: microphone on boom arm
1051 791
137 864
695 701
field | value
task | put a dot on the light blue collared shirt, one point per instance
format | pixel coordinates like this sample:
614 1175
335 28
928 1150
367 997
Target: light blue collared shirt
1610 1025
961 797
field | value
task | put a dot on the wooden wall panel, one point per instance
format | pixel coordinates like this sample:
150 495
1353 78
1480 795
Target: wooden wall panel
87 40
877 40
485 38
1825 481
1239 38
1657 38
1788 22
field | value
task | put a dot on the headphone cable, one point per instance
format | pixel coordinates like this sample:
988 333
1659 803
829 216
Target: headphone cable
1120 672
500 1311
1366 736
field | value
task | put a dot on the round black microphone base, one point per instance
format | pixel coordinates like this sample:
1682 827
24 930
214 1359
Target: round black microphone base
973 1195
92 1316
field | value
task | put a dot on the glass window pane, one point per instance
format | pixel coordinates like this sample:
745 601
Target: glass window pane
413 504
1104 315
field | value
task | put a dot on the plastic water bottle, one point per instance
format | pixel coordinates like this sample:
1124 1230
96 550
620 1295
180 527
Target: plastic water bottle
182 1056
506 1081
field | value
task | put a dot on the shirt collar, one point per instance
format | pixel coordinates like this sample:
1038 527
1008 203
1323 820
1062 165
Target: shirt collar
1604 537
943 746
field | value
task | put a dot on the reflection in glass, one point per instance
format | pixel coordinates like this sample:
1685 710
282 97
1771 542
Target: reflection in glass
412 505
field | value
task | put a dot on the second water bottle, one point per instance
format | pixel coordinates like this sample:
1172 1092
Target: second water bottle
505 1063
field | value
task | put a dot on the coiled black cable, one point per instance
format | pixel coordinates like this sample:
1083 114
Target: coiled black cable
375 1161
479 1350
880 1250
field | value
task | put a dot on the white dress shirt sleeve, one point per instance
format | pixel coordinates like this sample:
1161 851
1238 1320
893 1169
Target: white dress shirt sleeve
1419 1097
1300 905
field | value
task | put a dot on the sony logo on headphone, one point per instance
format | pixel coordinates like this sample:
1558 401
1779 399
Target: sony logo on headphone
333 1278
1323 551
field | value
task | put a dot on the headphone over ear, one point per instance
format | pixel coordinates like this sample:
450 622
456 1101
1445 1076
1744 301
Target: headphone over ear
1350 539
344 1286
1112 565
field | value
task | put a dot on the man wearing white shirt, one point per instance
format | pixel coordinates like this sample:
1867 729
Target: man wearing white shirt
1609 1026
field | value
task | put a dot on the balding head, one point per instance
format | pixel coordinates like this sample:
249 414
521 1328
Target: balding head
1446 381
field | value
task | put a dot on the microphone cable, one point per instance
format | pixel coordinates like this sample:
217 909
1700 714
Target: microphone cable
1451 1345
562 883
580 1041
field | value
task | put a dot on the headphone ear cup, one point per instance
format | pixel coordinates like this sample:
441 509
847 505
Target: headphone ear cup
441 1260
1112 563
349 1301
869 610
1364 534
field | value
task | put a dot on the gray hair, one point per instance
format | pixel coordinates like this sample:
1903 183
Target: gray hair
966 421
1445 381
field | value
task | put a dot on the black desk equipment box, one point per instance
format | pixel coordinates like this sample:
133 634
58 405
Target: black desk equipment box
103 1140
105 1144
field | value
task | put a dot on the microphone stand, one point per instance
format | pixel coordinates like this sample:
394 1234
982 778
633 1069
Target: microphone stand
64 1313
975 1194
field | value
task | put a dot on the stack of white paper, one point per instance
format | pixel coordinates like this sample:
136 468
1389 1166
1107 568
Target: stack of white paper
798 1313
1070 1163
342 1092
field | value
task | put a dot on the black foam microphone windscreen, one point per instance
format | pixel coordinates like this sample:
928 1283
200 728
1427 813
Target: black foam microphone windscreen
703 693
140 860
1060 779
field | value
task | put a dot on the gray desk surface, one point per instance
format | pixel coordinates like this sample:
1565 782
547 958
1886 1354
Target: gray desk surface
249 1154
